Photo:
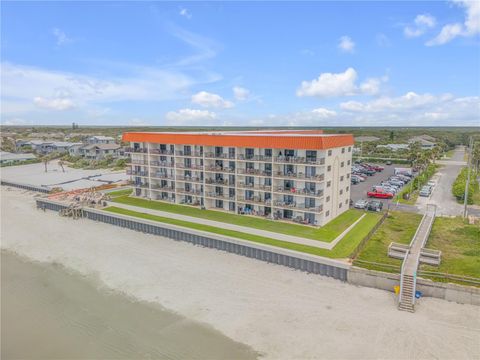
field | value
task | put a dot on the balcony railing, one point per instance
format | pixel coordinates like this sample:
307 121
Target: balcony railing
219 169
256 200
162 176
219 182
242 185
189 178
137 162
160 152
162 164
254 172
137 172
227 156
299 160
189 192
191 166
163 188
138 150
220 196
188 154
291 175
263 158
297 206
299 192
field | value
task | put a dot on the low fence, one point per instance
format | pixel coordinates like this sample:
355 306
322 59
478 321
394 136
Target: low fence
364 241
41 189
304 262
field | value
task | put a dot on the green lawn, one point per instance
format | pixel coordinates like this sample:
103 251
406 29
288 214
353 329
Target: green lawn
342 250
460 246
117 193
398 227
326 233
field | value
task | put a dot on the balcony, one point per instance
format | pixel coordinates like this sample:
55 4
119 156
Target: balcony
189 192
257 187
160 152
254 172
163 188
220 196
299 160
191 166
162 164
137 162
189 154
261 158
297 206
138 150
300 175
217 182
219 169
299 192
189 179
161 176
259 200
227 156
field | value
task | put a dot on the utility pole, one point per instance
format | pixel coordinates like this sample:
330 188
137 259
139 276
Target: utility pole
467 184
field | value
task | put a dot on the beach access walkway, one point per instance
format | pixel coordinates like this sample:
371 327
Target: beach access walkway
269 234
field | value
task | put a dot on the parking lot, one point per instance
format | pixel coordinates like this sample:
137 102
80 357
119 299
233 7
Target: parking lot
359 191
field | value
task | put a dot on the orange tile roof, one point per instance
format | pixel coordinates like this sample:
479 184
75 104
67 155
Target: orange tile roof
293 139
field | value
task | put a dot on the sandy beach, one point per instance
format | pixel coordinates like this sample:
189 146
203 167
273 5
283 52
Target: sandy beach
279 312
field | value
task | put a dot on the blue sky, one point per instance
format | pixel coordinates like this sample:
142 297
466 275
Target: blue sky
241 63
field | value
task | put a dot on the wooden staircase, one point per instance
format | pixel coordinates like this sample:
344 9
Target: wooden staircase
407 296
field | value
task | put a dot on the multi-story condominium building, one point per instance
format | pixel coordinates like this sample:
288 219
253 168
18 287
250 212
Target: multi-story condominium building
297 175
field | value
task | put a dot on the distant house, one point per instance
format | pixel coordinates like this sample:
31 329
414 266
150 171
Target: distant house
100 140
46 147
11 158
425 144
366 138
100 151
394 147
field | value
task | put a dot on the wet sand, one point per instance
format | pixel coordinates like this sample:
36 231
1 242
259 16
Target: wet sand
277 311
51 313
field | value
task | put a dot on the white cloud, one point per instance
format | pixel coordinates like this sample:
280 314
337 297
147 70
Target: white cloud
324 113
61 37
55 89
207 99
340 84
422 23
54 103
16 122
240 93
184 12
470 27
346 44
191 117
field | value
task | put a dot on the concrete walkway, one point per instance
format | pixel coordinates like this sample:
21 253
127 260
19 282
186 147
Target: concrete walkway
273 235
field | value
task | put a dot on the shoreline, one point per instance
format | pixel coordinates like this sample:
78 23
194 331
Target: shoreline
267 307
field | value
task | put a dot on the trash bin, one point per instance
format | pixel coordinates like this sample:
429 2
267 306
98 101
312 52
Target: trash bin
418 294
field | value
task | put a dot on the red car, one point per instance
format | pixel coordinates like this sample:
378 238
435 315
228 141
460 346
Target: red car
379 194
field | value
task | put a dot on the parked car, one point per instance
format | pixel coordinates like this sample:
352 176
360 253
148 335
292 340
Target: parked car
388 162
380 194
361 204
375 205
425 191
354 181
431 183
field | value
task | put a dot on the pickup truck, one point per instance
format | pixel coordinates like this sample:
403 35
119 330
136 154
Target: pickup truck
379 194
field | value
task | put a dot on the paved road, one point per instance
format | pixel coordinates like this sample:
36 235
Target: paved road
442 194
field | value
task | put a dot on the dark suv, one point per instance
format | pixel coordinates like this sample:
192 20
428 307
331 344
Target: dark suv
375 206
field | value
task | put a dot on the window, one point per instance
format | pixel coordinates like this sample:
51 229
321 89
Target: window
343 150
329 183
329 168
329 152
341 192
268 152
310 171
347 188
249 153
349 149
327 213
231 153
348 176
340 205
328 199
342 164
346 202
311 155
341 178
348 162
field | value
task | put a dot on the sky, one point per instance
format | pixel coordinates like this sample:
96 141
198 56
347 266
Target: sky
357 63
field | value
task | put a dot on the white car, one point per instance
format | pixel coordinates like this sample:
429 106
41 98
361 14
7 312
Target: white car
360 204
431 183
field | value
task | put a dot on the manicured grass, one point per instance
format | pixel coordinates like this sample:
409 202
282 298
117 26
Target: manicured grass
460 246
326 233
117 193
342 250
398 227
